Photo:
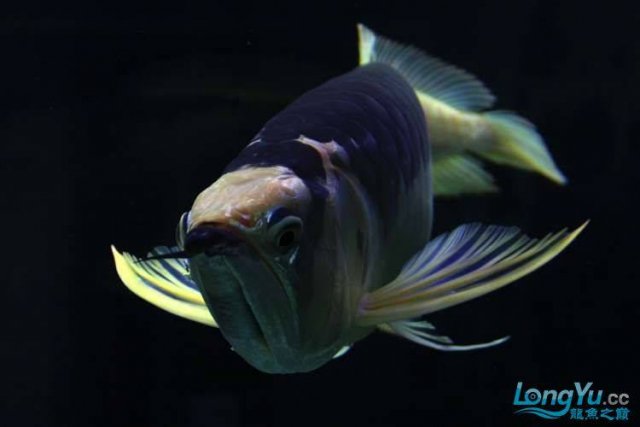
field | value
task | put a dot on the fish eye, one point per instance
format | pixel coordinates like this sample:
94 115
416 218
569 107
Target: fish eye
277 215
286 233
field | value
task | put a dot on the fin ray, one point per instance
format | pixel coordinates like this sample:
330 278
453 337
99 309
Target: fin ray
413 331
518 144
456 103
428 75
456 174
459 266
164 284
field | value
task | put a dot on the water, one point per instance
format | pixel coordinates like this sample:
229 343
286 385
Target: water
114 118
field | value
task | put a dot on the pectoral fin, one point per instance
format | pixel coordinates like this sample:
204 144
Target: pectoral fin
459 266
165 283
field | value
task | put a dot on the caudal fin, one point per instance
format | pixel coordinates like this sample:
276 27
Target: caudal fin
517 143
455 104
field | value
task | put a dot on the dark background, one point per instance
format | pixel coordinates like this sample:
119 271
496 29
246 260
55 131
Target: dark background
115 116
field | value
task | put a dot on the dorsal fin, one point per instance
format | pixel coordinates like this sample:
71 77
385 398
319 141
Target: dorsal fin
426 74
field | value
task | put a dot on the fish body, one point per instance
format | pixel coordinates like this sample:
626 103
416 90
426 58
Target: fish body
319 231
332 150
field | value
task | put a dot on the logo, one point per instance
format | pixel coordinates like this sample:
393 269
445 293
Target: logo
581 402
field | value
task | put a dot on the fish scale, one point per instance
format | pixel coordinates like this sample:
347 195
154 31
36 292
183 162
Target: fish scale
372 113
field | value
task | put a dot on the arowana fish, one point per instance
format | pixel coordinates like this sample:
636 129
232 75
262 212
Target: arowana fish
319 232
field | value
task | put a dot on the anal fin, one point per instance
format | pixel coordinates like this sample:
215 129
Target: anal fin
455 174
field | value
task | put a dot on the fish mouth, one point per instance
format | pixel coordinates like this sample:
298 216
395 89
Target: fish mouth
248 299
244 319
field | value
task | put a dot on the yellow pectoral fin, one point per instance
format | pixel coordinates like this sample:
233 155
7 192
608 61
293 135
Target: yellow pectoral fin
164 283
456 267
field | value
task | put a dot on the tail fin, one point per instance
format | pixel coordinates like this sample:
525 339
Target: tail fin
518 144
454 102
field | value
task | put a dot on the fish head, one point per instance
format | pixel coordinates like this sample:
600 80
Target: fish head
250 246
